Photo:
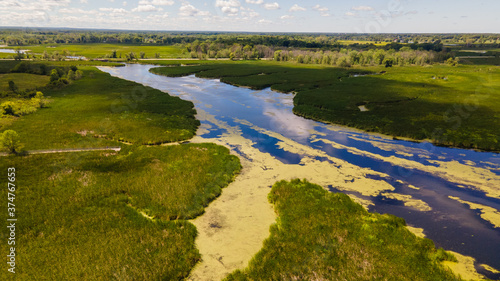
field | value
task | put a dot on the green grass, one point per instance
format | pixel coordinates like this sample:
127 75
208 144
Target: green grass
326 236
452 106
106 215
99 105
23 81
97 50
7 65
80 213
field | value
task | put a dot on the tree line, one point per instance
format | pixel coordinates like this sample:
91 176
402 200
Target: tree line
35 36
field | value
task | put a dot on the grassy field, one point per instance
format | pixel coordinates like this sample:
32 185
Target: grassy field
107 215
350 42
100 107
23 81
101 49
453 106
325 236
81 214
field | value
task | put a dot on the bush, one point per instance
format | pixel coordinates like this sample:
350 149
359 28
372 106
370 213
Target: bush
10 141
8 108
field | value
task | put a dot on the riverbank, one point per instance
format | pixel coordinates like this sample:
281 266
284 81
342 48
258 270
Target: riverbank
456 109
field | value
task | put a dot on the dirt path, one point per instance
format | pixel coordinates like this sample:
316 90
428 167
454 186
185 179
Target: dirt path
47 151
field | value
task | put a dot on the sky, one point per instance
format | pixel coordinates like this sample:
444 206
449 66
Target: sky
357 16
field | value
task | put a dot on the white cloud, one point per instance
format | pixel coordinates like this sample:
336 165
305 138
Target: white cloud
76 11
124 3
248 13
113 10
258 2
227 3
362 8
296 8
228 6
350 14
272 6
146 8
264 21
229 10
188 10
84 1
322 10
286 17
162 2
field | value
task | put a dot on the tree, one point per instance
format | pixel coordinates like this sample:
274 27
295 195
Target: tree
13 86
54 76
19 54
78 74
10 141
142 54
388 62
71 75
452 62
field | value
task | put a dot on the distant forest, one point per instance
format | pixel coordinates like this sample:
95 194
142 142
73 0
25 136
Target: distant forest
33 36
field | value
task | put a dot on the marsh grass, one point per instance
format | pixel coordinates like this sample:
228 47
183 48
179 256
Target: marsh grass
80 217
326 236
452 106
107 215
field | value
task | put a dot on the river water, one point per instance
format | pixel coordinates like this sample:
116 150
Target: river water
452 194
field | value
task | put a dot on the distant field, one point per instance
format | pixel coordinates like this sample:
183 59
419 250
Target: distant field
455 106
376 43
23 81
101 50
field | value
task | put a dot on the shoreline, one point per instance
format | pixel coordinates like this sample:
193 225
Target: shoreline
395 137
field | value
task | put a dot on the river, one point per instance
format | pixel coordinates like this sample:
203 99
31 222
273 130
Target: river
452 194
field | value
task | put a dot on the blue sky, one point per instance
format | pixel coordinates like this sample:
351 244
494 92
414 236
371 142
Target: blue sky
365 16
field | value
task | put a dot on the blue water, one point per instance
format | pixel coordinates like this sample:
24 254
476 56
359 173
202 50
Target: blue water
450 224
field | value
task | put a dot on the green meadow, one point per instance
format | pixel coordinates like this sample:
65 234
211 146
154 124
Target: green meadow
99 108
100 50
326 236
113 216
23 81
452 106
